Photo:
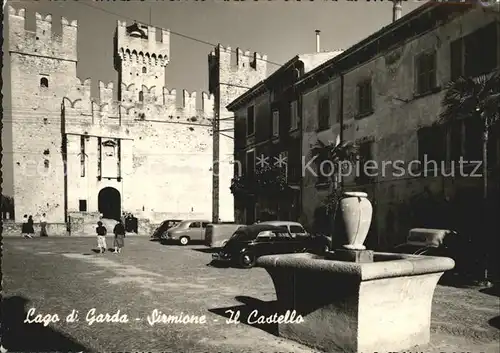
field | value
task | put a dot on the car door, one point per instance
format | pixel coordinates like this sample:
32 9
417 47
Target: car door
194 230
263 244
203 230
300 237
284 242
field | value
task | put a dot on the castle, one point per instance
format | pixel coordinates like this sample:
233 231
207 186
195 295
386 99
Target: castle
76 156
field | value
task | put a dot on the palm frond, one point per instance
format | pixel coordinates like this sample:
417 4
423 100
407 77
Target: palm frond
346 150
468 96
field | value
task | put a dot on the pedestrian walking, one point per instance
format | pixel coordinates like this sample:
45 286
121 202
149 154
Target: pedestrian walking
43 226
24 227
101 237
30 227
119 231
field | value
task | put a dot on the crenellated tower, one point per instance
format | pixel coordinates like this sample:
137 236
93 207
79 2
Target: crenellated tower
226 83
43 70
230 81
141 61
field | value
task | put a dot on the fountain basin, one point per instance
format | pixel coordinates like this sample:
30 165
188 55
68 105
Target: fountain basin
380 306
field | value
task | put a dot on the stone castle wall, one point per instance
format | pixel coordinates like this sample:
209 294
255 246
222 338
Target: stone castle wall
165 150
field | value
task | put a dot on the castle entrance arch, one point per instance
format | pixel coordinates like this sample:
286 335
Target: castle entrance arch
109 203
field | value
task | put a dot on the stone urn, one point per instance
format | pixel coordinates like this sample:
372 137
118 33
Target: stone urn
355 219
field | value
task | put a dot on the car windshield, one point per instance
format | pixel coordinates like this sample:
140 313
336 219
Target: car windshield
182 224
243 236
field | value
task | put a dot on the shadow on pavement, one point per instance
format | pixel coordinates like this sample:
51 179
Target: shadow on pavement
173 242
207 250
218 264
250 311
495 322
18 336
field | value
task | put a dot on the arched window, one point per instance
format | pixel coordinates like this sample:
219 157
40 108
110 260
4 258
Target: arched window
144 69
141 96
44 82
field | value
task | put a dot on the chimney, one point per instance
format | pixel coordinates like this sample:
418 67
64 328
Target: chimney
396 9
317 40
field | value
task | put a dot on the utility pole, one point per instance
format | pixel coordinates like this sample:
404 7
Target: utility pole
215 156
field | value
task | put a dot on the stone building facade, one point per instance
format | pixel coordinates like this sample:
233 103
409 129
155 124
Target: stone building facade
76 156
387 92
268 126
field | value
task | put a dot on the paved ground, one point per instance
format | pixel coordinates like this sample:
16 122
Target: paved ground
56 275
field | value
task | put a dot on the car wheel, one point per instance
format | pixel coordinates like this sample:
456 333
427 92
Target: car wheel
184 240
247 260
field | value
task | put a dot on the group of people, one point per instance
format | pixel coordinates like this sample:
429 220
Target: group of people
130 221
28 227
28 231
119 241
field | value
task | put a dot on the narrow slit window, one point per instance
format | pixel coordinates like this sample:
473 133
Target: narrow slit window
82 156
99 157
119 157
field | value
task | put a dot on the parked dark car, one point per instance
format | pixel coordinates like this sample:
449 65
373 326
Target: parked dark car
217 234
163 227
436 242
250 242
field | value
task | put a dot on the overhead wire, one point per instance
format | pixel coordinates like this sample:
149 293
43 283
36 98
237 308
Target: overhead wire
158 27
27 120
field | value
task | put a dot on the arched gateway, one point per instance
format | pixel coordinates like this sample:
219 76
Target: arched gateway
109 203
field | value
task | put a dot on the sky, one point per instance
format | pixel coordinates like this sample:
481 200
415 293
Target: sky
280 29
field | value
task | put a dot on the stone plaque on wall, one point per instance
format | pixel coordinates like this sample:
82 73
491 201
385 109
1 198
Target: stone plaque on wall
109 159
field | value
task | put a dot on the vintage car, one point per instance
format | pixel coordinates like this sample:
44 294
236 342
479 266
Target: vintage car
186 231
295 228
250 242
436 242
163 227
426 241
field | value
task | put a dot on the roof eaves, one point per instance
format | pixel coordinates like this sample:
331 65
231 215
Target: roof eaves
360 45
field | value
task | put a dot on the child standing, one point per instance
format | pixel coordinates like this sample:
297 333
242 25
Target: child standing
119 231
101 237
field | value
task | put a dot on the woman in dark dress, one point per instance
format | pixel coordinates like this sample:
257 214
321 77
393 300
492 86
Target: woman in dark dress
30 227
24 229
119 232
